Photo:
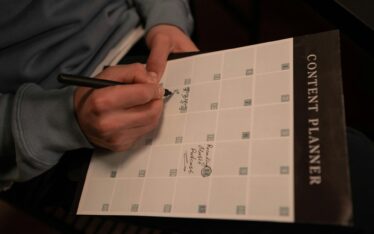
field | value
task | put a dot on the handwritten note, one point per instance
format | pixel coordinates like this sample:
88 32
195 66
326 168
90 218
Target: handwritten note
198 159
184 99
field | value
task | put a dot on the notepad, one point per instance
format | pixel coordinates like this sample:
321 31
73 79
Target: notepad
251 133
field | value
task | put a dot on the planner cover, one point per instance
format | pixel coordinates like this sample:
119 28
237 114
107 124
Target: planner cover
250 133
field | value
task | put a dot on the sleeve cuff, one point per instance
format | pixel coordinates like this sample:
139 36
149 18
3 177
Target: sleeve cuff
44 127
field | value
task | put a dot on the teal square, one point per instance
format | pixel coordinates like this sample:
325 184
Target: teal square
217 76
240 210
178 139
173 172
201 209
284 170
285 132
167 208
284 211
285 66
285 98
210 137
105 207
141 173
243 171
214 106
249 72
134 208
247 102
245 135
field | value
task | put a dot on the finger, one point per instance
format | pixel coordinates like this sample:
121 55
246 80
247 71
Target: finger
185 45
160 50
145 114
124 140
130 73
122 97
121 121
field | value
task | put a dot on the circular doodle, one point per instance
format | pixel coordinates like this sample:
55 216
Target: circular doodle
206 171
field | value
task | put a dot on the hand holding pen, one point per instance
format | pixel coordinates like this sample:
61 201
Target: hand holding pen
116 116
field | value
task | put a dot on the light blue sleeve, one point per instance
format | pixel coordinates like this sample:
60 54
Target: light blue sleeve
37 127
174 12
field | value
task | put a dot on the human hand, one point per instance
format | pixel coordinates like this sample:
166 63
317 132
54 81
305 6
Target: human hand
162 40
115 117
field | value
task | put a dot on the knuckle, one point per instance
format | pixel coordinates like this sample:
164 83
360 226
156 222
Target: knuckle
138 67
100 127
103 126
98 104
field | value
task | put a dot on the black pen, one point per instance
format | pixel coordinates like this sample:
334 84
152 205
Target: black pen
93 82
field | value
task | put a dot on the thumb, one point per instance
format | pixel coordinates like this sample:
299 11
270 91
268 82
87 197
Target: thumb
158 57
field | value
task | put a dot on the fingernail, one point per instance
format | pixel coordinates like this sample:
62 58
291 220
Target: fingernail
161 91
153 76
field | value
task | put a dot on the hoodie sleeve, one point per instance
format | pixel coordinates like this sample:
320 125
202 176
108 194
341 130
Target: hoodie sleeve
174 12
36 127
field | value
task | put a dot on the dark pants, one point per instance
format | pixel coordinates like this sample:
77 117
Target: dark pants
53 197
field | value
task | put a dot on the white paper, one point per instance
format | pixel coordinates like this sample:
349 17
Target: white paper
224 148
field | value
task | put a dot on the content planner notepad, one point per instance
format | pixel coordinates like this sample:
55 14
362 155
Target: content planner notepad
248 134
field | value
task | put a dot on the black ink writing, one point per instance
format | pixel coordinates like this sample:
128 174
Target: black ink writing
197 159
183 103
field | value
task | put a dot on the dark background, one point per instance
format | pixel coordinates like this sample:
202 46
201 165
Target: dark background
223 24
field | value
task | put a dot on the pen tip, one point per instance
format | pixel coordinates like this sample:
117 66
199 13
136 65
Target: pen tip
167 93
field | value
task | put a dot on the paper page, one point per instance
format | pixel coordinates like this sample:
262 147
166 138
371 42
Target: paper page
224 148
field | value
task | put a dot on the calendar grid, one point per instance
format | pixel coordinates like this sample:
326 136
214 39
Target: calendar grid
212 155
